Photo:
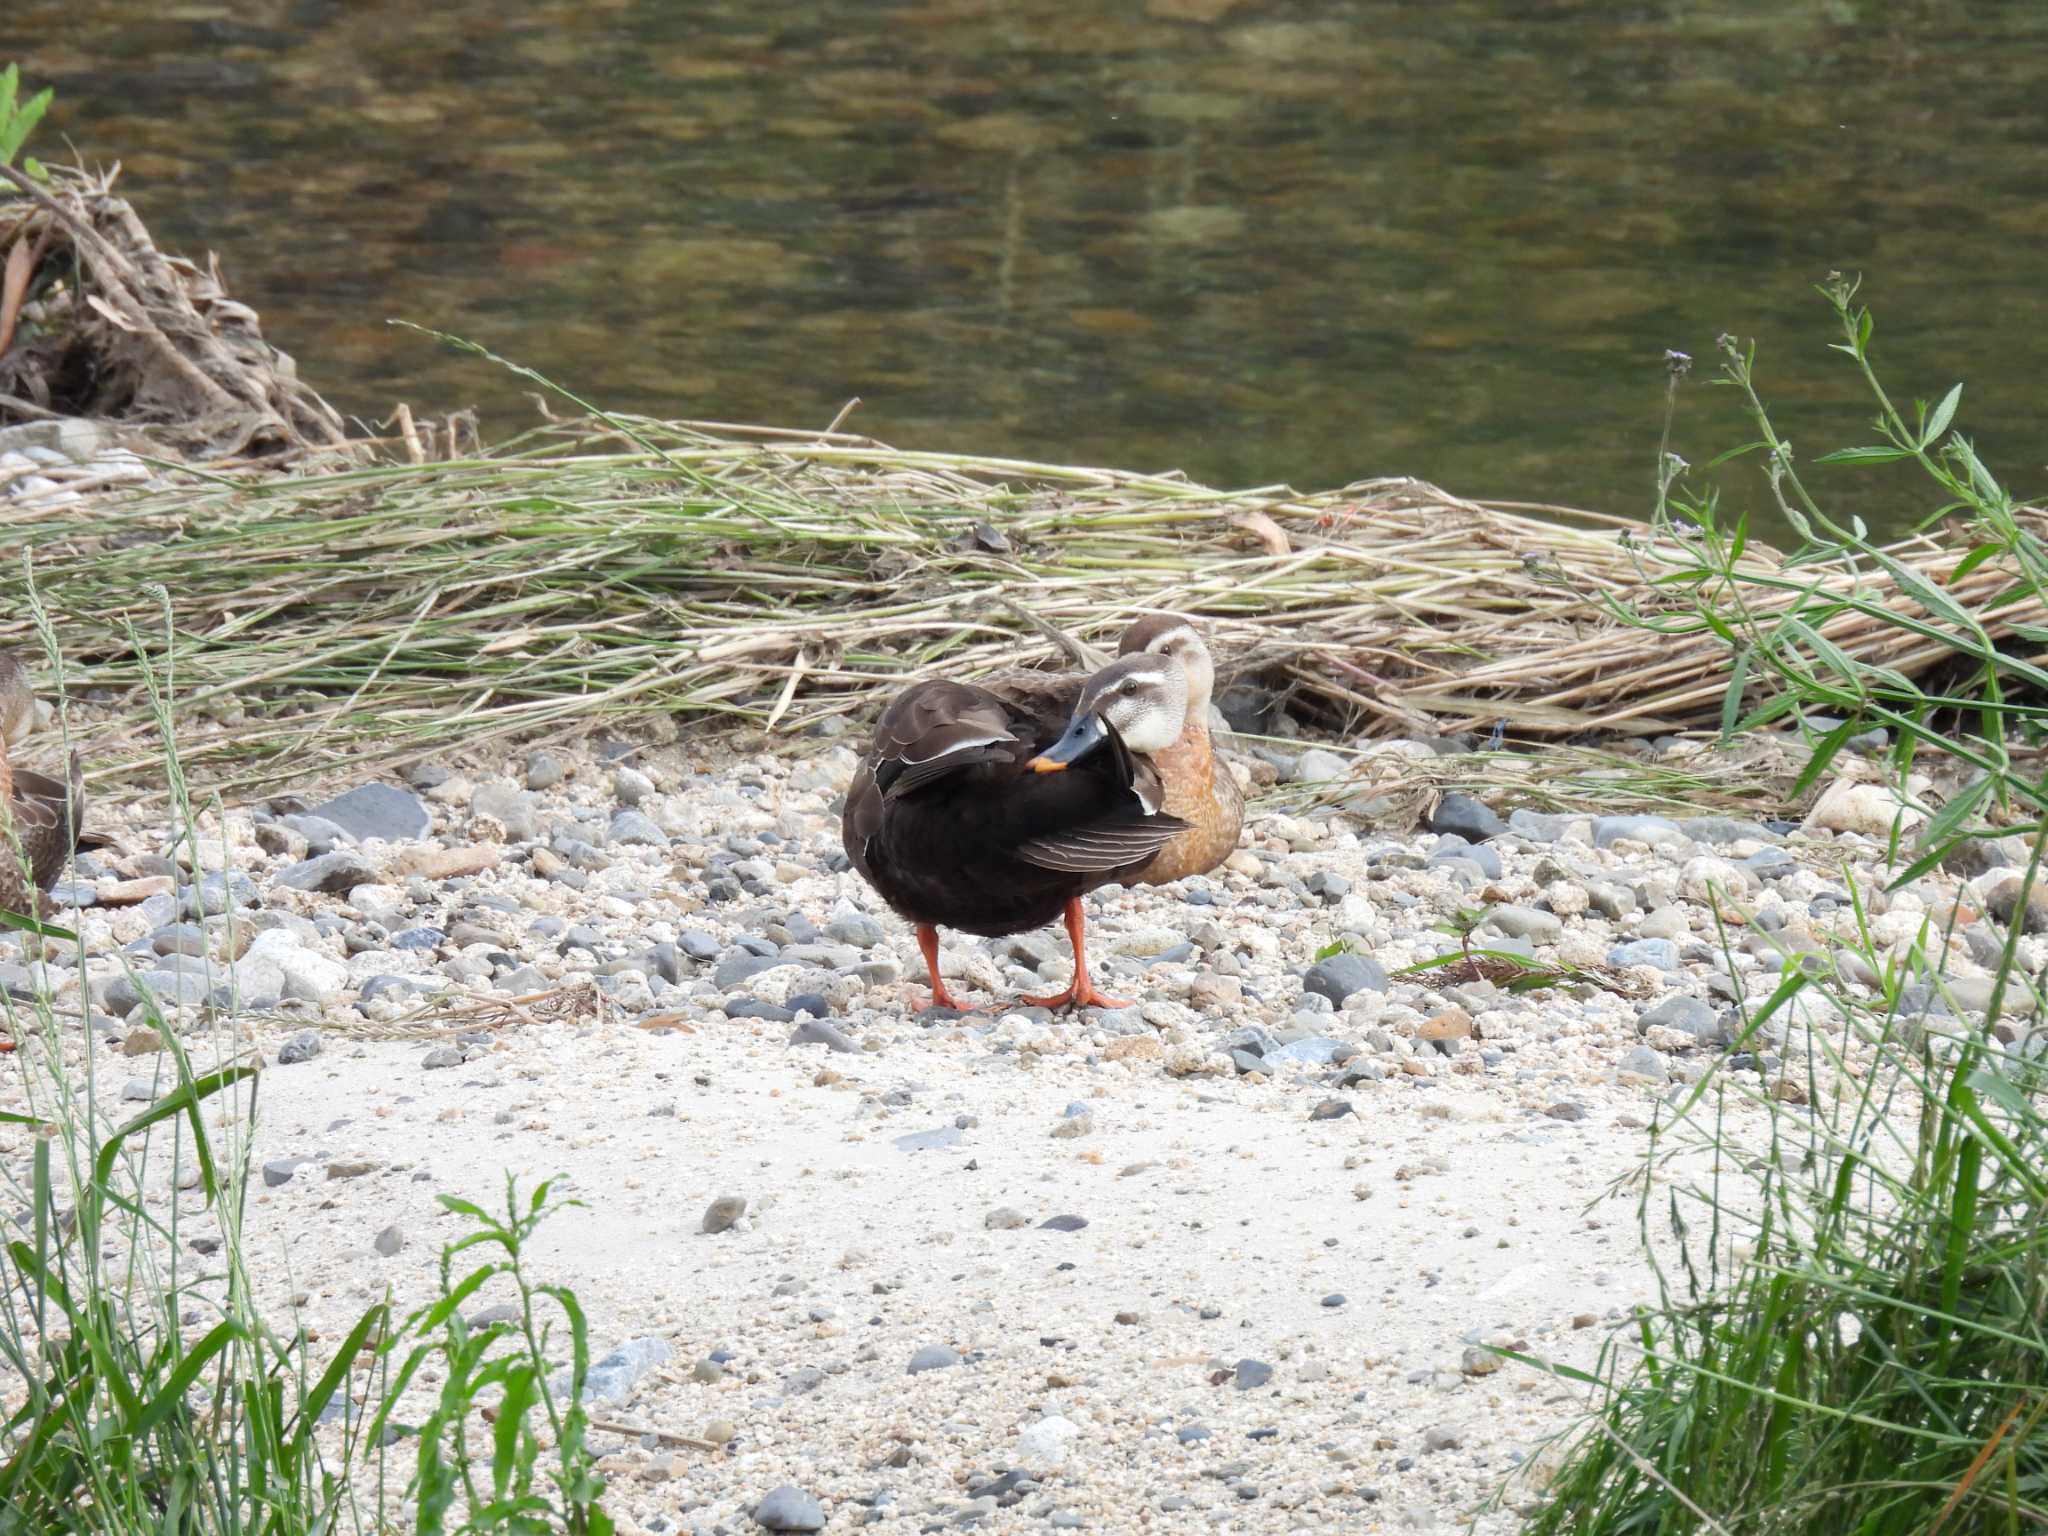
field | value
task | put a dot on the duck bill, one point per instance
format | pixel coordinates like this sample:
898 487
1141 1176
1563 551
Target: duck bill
1083 735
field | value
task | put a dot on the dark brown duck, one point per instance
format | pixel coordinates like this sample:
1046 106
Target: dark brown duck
985 810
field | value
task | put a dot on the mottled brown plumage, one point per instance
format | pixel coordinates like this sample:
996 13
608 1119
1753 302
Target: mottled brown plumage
41 818
1200 789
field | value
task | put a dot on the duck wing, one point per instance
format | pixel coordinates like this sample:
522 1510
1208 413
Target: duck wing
930 732
1131 830
48 819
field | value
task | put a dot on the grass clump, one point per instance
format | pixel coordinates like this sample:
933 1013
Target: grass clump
144 1388
1853 1338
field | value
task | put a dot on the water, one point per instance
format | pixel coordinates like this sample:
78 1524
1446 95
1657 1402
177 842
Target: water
1256 241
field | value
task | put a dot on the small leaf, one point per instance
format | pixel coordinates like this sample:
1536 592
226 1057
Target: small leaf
1864 456
1972 560
1944 413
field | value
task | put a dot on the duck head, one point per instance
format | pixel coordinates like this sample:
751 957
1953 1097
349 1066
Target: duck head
1168 634
1143 698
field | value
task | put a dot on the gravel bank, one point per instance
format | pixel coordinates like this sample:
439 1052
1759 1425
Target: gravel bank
1227 1260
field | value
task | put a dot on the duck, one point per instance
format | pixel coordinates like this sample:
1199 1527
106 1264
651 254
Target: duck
984 809
1200 789
41 819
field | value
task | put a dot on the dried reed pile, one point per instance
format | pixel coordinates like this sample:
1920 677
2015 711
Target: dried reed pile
592 572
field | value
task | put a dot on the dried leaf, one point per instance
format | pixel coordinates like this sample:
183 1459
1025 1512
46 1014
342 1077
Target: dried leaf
13 290
1268 532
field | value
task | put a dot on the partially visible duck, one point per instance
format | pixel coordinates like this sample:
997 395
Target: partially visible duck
1200 790
979 810
40 818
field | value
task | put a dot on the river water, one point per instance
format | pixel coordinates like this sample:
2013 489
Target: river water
1256 241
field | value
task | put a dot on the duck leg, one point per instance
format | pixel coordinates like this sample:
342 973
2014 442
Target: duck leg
1081 991
928 941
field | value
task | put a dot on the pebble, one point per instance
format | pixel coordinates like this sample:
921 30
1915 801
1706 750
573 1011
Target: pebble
1252 1374
933 1357
1343 975
377 810
789 1508
823 1032
1466 817
390 1241
723 1212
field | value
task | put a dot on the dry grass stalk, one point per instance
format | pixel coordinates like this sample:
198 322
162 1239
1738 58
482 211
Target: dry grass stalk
573 579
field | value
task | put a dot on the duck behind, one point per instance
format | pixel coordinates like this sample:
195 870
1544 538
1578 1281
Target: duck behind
41 819
1200 790
980 812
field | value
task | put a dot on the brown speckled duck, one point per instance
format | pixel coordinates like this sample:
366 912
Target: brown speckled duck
1200 790
984 808
40 818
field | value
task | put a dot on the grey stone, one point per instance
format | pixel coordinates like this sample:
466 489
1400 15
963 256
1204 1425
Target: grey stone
855 928
1451 846
1722 830
1613 902
789 1508
443 1056
333 873
1469 818
1332 1109
1005 1218
1657 831
1318 765
635 828
738 965
1690 1014
1442 1437
169 989
1661 953
544 770
1565 1109
378 810
823 1032
1252 1374
933 1357
1253 1039
213 895
1528 923
513 808
1644 1062
631 786
697 945
1343 974
321 835
279 1170
1541 826
303 1046
390 1240
1063 1224
723 1212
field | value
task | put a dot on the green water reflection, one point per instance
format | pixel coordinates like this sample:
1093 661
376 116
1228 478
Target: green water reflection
1257 241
